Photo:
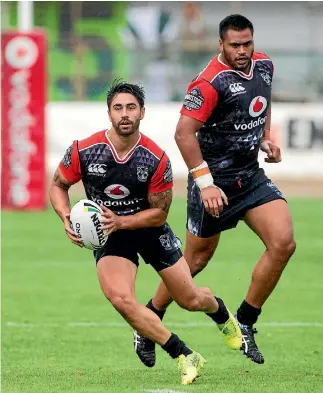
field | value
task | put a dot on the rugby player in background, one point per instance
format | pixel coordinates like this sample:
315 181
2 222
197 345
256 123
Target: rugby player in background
224 122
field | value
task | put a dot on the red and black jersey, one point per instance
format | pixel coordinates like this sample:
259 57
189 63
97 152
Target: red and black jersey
122 185
233 107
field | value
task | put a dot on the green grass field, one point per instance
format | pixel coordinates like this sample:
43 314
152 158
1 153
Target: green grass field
60 335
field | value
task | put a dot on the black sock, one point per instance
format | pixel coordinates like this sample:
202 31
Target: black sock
247 314
151 307
222 315
175 347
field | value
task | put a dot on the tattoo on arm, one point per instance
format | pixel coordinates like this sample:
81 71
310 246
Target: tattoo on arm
161 200
60 182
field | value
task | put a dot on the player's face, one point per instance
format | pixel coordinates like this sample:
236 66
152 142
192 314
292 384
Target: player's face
125 114
237 48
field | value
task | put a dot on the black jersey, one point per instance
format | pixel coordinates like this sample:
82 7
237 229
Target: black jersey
122 185
233 107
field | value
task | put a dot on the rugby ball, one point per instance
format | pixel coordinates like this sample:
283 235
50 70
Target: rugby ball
85 218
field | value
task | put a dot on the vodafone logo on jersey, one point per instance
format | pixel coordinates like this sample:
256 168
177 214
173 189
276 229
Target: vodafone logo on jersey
117 191
257 106
21 52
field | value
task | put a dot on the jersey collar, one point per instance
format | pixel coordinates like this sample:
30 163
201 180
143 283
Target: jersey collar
242 74
115 153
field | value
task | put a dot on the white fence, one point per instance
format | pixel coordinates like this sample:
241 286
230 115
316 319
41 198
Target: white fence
297 128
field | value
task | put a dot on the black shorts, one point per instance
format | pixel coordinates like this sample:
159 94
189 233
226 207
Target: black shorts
158 247
242 196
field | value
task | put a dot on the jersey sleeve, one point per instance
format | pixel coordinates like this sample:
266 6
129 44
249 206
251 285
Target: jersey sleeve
70 164
263 56
162 179
200 100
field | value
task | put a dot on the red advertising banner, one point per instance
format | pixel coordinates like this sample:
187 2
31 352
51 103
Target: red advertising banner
23 99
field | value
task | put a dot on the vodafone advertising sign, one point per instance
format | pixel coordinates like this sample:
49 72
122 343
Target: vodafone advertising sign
23 96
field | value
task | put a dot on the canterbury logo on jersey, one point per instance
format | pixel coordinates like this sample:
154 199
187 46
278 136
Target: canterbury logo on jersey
96 169
236 88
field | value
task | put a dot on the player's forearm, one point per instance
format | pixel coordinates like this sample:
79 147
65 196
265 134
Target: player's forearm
60 201
147 218
267 124
189 148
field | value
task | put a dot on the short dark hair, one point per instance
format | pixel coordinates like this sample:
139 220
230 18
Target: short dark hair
120 86
234 22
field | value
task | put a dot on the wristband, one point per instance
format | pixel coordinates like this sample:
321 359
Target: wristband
202 176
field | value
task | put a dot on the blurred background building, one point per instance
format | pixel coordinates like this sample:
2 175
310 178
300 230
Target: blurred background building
164 44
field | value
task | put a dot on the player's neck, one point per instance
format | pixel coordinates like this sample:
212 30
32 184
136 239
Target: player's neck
122 144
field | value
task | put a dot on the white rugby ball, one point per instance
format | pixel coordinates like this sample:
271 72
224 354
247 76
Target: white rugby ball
85 218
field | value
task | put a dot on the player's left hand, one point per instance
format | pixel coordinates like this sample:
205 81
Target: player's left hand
109 220
273 151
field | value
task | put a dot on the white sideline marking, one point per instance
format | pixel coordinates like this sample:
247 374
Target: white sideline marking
163 391
174 324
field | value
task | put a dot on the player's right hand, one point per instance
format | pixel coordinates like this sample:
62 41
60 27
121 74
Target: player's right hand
213 198
70 233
